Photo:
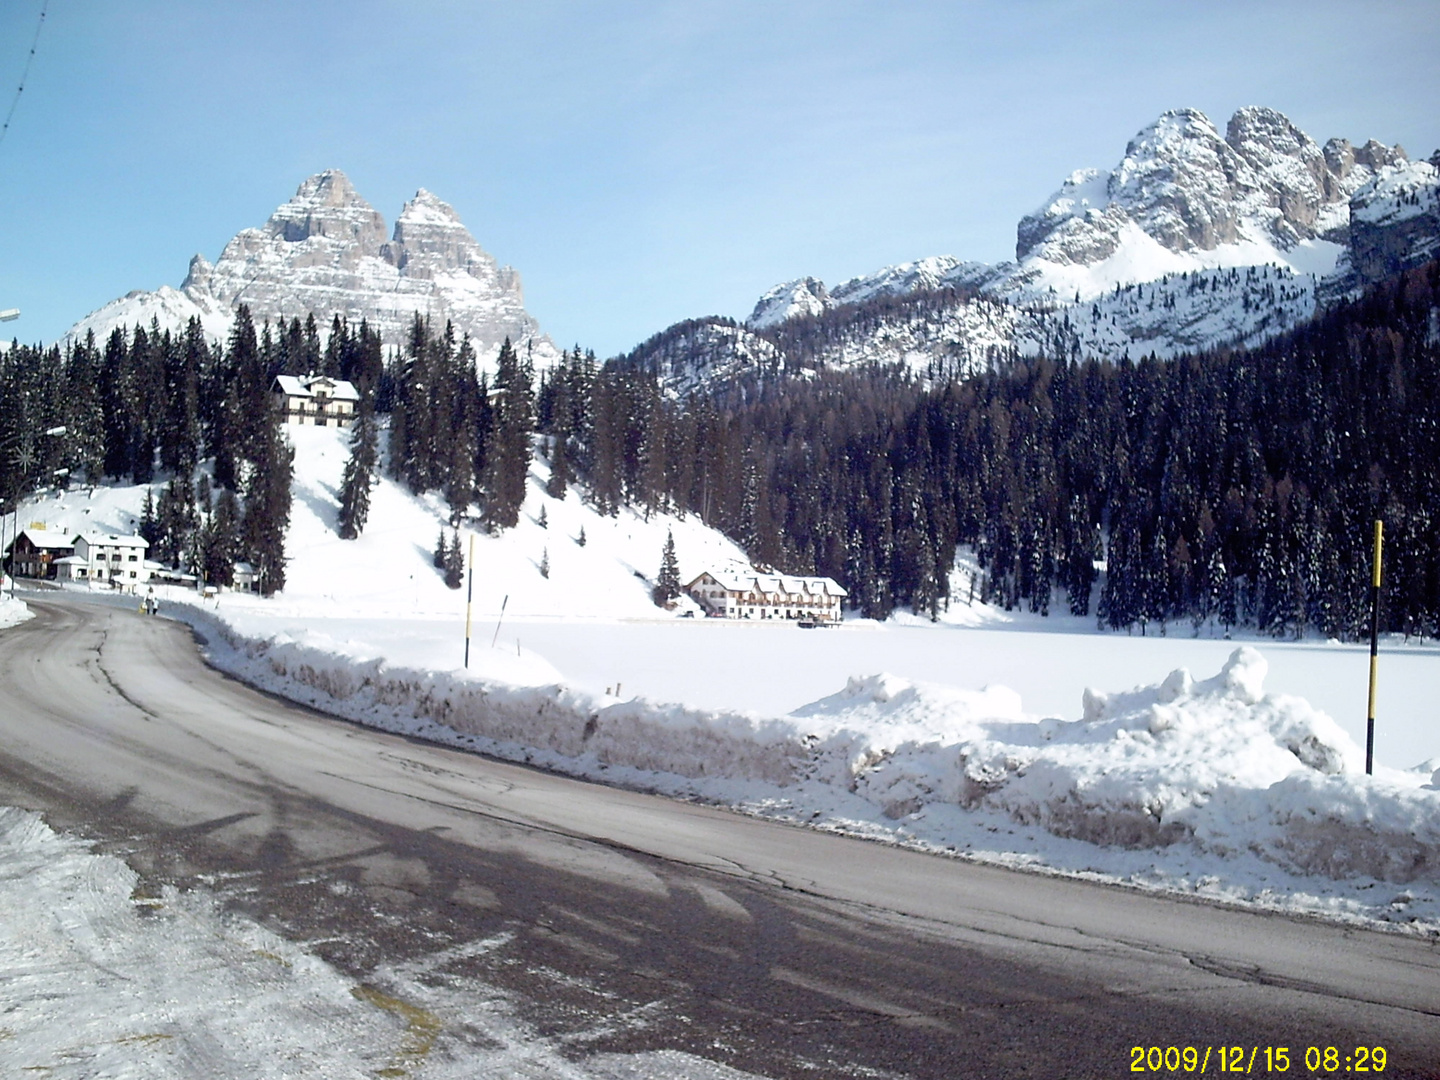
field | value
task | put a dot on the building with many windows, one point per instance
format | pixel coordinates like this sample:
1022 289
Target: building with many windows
107 558
754 595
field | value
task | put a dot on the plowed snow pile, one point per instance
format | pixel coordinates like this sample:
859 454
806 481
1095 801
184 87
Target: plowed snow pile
12 610
1212 787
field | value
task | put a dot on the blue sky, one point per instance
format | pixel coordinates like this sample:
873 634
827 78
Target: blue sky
638 163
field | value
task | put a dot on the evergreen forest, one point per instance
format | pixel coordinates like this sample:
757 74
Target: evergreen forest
1231 488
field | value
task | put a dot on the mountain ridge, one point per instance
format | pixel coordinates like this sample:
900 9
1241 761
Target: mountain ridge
1195 240
327 251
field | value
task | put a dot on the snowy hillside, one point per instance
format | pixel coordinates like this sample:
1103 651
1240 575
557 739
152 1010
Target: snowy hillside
325 252
388 570
947 331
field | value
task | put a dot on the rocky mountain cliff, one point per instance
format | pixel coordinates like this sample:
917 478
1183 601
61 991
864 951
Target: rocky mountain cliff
1194 240
326 252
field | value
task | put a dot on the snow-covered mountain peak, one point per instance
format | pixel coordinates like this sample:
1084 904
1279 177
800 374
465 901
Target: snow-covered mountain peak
429 208
809 296
803 296
328 205
199 274
1193 240
1190 190
325 252
1395 218
431 239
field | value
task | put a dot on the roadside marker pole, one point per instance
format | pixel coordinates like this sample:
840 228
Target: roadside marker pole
1374 649
469 599
500 620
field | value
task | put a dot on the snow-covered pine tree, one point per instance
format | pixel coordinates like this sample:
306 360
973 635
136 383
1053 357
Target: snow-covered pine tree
149 521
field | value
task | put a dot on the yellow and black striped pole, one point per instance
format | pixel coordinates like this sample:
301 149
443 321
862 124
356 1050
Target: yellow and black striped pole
1374 649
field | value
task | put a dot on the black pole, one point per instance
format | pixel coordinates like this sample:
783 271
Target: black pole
1374 649
469 599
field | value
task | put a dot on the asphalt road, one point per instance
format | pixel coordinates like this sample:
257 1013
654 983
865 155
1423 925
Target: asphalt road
623 922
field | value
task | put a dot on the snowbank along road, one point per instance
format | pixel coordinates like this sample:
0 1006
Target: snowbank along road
628 935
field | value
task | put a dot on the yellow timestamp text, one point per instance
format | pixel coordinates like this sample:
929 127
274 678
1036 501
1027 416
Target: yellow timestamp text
1256 1060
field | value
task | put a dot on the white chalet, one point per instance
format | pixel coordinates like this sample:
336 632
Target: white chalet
315 399
750 594
111 558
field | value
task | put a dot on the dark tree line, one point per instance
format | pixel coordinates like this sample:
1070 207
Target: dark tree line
455 432
1232 488
150 404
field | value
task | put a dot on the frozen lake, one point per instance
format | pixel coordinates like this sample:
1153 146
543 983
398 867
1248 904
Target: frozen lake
774 668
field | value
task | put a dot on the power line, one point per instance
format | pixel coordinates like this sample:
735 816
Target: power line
5 128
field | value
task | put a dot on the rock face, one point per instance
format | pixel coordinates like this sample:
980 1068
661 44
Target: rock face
1193 241
326 252
804 296
809 296
1190 190
1395 220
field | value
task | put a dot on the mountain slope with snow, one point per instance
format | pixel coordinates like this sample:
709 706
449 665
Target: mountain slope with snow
1195 240
325 252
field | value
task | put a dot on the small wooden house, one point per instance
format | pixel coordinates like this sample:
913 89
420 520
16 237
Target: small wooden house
37 550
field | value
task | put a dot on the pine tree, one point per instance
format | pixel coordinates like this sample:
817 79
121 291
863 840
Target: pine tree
359 474
149 521
544 519
219 541
454 562
667 582
508 452
267 508
545 562
581 538
442 552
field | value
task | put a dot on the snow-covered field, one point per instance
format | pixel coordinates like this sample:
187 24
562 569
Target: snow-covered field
1170 763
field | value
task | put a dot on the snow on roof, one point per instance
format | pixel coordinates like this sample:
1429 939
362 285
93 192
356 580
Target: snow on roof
45 539
793 584
112 540
310 385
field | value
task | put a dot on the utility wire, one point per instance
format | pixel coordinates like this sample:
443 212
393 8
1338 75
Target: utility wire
5 128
